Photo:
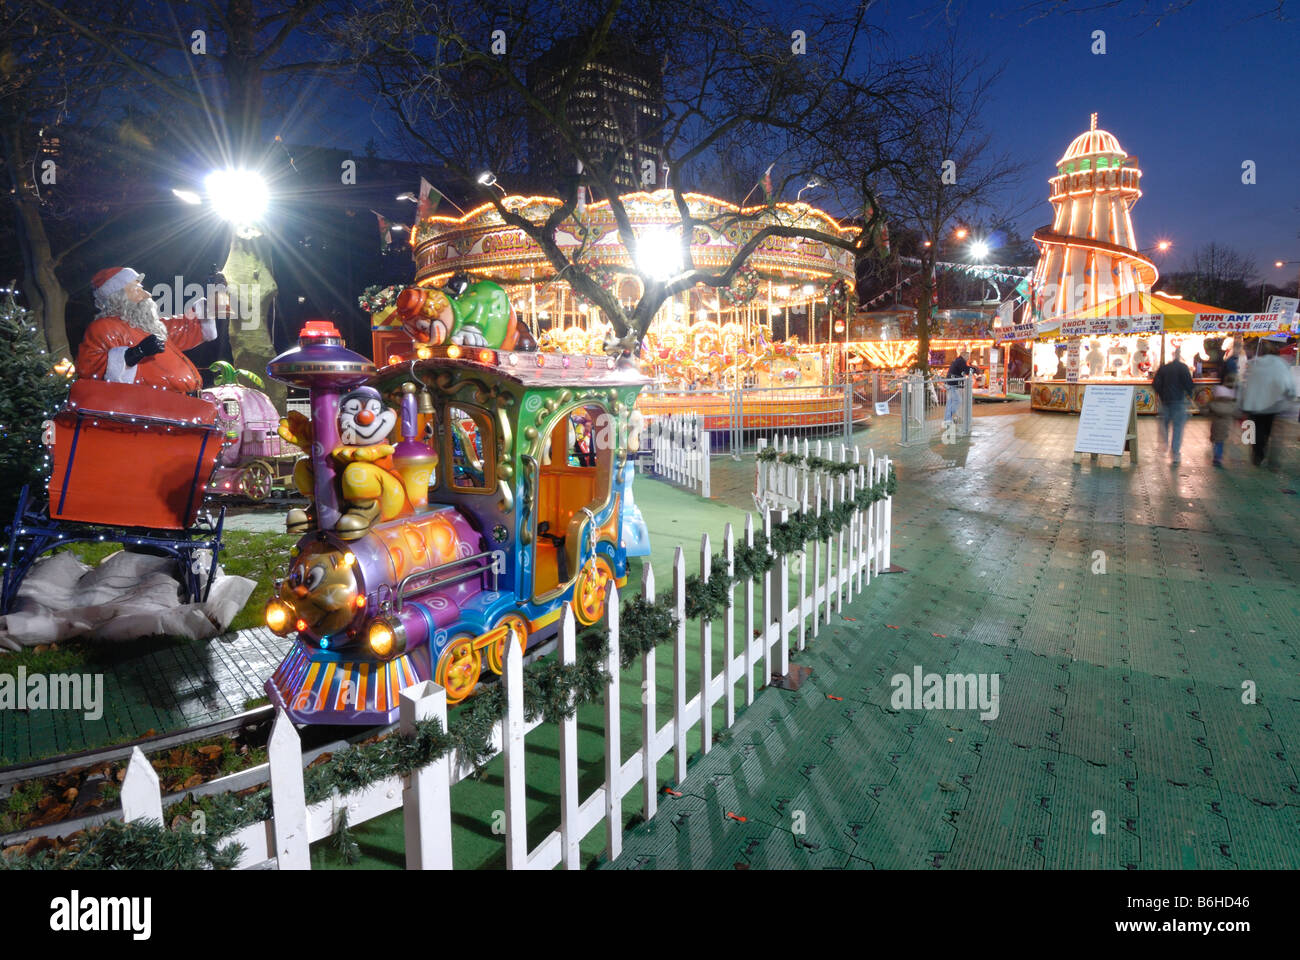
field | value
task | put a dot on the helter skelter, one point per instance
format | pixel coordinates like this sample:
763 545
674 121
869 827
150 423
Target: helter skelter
1091 301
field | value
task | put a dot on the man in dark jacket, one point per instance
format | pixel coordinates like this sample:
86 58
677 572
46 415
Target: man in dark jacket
958 370
1173 385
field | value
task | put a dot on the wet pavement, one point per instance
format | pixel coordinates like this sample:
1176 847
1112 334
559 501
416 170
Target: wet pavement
1143 624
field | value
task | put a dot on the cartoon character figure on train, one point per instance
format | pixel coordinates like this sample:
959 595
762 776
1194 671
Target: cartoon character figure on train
370 485
462 312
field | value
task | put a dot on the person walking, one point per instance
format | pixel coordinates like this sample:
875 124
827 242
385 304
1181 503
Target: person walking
1223 408
958 370
1265 394
1173 385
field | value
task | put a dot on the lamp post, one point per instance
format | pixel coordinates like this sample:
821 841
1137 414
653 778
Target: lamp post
241 197
1279 264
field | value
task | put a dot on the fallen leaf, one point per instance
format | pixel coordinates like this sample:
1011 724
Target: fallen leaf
53 815
70 794
193 781
35 845
211 751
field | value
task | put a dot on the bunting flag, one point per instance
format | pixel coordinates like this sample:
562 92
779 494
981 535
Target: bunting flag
385 231
992 271
429 200
905 282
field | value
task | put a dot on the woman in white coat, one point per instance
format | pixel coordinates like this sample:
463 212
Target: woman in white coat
1268 389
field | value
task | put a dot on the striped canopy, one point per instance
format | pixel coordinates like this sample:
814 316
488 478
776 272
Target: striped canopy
1178 314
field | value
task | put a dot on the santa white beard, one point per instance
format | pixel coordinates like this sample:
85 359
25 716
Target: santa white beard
143 315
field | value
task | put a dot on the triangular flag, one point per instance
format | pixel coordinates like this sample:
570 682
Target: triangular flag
385 231
429 200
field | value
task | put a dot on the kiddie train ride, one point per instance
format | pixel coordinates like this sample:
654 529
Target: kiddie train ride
421 558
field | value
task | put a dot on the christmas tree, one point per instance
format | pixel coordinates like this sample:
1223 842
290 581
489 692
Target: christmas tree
30 394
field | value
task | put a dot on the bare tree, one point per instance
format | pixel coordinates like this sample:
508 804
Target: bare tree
212 70
946 172
1217 275
733 73
56 154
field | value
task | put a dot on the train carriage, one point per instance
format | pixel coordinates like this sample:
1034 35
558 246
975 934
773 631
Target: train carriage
517 505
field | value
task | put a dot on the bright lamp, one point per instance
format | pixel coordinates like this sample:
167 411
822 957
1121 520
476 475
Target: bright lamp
239 196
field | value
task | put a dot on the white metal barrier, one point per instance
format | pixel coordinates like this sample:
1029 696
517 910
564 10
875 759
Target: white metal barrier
936 408
680 452
838 567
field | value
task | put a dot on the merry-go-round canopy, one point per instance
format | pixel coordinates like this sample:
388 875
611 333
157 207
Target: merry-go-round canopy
481 243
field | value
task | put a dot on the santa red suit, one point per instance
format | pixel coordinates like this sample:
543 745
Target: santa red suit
105 349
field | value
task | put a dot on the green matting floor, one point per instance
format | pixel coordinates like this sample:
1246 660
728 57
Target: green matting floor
1121 692
1122 740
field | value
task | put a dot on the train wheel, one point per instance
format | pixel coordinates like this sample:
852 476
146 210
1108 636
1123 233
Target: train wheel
459 668
256 480
516 626
589 593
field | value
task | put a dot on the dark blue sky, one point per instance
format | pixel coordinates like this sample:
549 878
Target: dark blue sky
1192 98
1211 86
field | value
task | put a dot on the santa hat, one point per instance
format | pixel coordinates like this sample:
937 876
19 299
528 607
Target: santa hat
111 280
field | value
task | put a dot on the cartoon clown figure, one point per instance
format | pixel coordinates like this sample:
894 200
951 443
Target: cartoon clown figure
369 484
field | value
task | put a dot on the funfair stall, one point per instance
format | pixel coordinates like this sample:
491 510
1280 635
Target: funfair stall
1101 345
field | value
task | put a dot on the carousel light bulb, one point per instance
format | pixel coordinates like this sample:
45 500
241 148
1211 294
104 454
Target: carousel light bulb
702 314
239 196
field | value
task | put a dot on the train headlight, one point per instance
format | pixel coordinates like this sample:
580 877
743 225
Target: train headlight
387 637
277 617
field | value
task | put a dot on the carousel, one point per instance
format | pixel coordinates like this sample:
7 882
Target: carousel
769 334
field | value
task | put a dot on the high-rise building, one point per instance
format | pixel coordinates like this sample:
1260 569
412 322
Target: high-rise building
616 107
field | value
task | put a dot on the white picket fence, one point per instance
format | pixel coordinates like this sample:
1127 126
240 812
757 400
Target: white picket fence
831 573
680 451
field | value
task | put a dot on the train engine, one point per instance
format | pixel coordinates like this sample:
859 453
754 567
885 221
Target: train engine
421 560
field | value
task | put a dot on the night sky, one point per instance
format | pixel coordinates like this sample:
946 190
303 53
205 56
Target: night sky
1192 98
1211 86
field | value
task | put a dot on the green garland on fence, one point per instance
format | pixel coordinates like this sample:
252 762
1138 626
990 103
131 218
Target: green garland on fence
552 691
707 600
835 468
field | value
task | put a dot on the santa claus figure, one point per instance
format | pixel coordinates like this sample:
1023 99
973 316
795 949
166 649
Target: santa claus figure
128 342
